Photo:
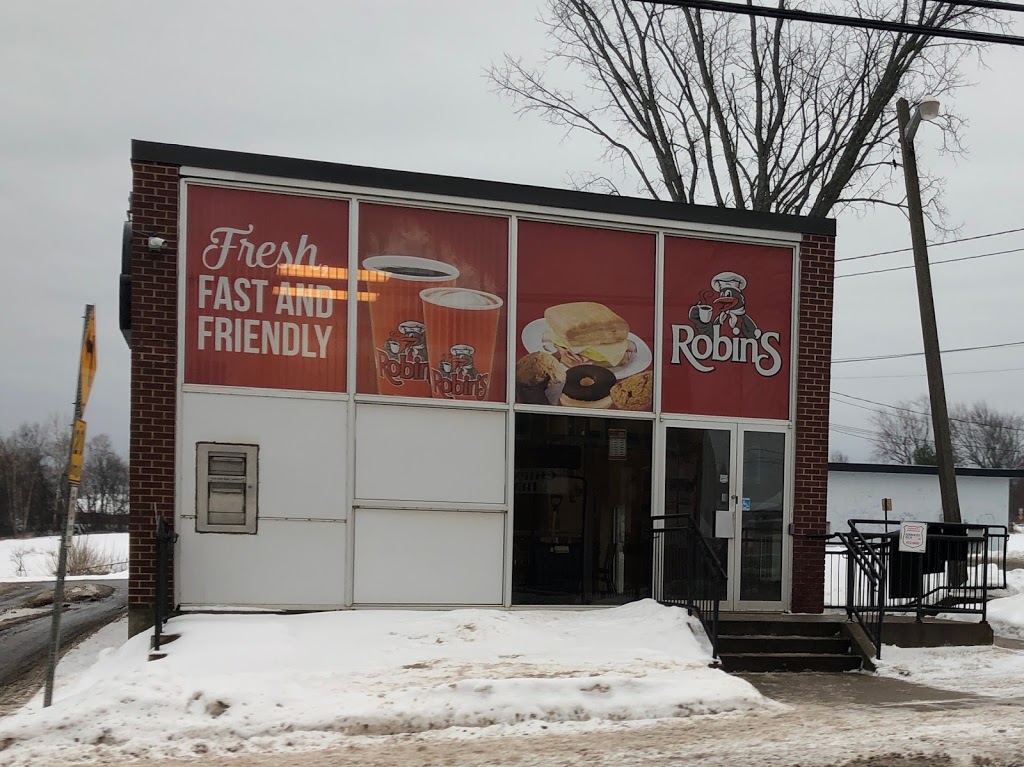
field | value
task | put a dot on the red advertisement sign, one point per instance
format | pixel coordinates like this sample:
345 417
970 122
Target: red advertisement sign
434 322
265 290
585 317
727 329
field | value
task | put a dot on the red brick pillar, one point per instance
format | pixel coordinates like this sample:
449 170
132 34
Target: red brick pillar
814 368
154 336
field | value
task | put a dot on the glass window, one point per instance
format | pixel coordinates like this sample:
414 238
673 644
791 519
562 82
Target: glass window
582 510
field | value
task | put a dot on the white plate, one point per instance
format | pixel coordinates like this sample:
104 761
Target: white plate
533 341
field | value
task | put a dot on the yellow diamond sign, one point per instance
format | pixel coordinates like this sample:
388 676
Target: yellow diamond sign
87 368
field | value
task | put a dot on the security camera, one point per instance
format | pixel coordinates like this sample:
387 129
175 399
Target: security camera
156 243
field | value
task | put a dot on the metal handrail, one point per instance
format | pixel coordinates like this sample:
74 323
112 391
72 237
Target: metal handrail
952 575
704 600
165 538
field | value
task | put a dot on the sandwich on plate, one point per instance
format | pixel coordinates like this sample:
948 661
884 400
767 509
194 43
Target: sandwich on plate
587 333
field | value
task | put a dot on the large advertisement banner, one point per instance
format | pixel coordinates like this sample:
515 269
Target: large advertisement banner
434 322
585 317
265 295
727 329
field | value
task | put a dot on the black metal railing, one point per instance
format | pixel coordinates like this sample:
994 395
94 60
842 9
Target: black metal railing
165 538
687 571
867 575
865 583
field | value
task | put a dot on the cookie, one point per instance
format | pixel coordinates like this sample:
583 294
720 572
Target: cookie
635 392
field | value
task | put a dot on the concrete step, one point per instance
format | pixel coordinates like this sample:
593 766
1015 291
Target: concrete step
763 662
762 628
775 643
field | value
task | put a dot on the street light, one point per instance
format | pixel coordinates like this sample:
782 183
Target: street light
928 109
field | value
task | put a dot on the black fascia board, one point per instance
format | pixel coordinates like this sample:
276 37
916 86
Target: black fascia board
468 188
899 468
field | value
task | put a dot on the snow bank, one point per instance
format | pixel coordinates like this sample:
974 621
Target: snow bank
987 671
31 559
259 682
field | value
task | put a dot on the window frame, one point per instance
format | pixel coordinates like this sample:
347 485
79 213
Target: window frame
250 480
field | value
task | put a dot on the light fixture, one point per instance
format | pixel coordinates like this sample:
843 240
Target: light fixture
926 109
929 108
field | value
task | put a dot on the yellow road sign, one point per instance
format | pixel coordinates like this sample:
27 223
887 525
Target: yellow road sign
87 368
77 453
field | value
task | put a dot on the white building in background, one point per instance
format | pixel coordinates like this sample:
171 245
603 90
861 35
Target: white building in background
856 490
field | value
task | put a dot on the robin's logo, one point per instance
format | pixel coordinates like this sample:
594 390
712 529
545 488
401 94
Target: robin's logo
404 356
455 375
721 330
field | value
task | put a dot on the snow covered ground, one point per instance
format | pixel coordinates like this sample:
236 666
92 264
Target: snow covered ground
267 682
994 672
32 559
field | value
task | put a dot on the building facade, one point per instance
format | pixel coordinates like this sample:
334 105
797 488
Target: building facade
362 387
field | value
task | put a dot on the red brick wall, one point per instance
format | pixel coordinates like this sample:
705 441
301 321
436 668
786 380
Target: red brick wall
817 254
153 379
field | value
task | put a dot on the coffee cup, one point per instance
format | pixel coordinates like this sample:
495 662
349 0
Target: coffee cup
461 328
396 320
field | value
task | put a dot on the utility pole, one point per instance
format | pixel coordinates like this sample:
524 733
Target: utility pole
929 331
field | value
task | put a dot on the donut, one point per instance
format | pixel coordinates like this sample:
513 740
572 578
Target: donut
588 386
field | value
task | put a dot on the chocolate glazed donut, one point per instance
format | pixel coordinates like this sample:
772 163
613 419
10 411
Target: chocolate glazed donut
588 386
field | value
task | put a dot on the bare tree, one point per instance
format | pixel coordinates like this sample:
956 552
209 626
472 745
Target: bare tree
23 475
838 456
104 478
757 114
904 433
985 437
982 436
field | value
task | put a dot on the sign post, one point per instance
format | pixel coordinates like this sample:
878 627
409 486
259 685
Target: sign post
886 508
86 374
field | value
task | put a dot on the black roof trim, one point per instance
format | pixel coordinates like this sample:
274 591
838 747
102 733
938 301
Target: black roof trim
454 186
899 468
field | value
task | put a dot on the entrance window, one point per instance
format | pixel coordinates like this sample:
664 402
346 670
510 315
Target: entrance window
582 510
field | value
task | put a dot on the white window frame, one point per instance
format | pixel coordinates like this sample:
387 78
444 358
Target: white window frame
250 454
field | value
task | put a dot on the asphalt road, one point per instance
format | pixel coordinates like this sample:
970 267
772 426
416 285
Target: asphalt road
25 631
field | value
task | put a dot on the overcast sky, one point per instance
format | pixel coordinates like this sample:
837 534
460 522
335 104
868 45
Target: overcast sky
400 84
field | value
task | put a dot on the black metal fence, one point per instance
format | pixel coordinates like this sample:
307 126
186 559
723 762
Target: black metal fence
687 571
867 575
165 538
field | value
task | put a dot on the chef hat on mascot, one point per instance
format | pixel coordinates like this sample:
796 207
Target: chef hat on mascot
724 280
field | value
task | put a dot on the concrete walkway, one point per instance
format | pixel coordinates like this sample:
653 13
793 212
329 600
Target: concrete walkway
861 689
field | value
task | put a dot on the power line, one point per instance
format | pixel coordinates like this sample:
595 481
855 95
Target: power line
794 14
932 244
933 263
921 354
917 412
924 375
993 4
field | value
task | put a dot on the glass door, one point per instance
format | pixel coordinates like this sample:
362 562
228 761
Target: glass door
731 481
699 484
760 543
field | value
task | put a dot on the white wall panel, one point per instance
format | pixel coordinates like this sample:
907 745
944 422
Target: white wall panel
858 495
302 466
428 557
286 564
430 454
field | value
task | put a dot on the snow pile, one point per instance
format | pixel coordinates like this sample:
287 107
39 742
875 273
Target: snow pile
260 682
987 671
33 559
